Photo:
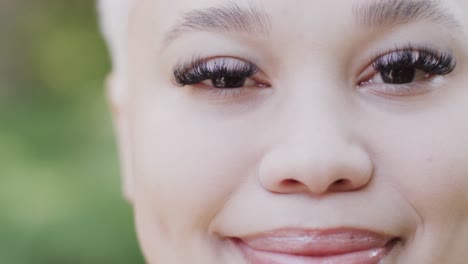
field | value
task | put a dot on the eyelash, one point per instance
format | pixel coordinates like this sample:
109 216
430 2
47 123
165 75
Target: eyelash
200 70
426 59
429 60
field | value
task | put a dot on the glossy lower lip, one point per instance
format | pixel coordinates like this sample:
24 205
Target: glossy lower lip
298 246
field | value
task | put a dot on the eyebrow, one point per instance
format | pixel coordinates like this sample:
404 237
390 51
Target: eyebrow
251 19
396 12
230 17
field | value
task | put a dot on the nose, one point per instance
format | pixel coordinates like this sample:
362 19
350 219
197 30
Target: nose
317 158
330 169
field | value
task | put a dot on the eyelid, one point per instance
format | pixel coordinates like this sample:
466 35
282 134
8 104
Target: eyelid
404 90
198 61
190 73
429 60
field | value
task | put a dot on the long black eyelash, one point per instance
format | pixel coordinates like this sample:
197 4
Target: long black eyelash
200 70
429 60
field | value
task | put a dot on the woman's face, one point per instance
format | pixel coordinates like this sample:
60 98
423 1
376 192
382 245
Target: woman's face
298 131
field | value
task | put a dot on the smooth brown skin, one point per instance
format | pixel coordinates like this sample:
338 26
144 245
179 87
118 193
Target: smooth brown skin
200 168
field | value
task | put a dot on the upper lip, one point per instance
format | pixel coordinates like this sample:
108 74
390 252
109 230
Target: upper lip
317 243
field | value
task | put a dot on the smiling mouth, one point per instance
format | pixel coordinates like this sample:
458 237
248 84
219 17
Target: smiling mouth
300 246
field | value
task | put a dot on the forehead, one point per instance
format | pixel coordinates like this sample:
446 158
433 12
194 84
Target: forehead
165 10
162 17
287 19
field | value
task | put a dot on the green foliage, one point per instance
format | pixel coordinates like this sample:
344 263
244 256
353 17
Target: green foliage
60 199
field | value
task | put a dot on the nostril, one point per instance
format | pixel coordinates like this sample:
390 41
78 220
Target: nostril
341 182
291 185
290 182
341 185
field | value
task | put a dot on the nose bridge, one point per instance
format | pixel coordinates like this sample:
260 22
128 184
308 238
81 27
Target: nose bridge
315 151
315 115
317 136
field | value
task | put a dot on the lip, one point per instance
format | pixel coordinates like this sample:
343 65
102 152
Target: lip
309 246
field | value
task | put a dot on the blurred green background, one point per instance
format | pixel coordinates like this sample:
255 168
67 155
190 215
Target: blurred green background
60 199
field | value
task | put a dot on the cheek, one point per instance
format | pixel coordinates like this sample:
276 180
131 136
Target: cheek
432 176
187 164
426 162
429 169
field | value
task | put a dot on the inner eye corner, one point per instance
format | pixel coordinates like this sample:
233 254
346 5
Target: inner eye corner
365 75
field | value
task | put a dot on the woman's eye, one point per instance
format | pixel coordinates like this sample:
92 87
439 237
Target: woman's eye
220 73
227 82
407 71
403 75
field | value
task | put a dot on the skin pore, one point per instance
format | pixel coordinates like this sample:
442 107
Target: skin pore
236 118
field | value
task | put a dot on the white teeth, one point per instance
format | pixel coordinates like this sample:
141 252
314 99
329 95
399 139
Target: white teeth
374 253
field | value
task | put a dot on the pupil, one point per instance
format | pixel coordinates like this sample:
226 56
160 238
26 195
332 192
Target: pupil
228 82
398 75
